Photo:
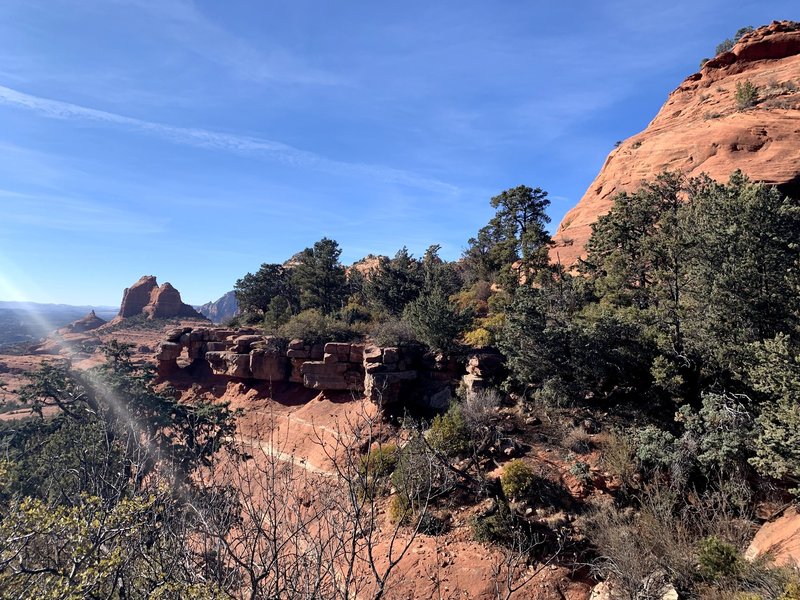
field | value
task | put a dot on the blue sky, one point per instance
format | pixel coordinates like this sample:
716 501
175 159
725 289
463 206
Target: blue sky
194 140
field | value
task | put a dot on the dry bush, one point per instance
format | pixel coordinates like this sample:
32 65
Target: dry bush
618 457
632 546
480 408
282 528
665 538
578 441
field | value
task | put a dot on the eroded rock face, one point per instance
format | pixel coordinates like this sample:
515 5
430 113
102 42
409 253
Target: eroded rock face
136 297
340 368
386 376
409 375
222 309
701 129
146 297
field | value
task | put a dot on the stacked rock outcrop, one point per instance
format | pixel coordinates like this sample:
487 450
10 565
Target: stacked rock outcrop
394 375
341 366
411 376
485 369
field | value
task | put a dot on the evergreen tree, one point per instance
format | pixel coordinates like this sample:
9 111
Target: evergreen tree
395 283
320 278
742 277
256 291
515 241
775 373
437 321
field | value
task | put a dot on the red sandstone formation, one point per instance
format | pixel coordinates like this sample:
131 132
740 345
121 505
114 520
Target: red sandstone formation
146 297
778 539
702 129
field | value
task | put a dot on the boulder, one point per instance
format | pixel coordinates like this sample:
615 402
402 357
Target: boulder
297 344
168 351
356 353
385 388
269 365
339 350
780 539
391 356
324 376
174 335
486 364
230 364
241 344
296 374
372 354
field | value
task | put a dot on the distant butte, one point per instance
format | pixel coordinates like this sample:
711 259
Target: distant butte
145 297
701 129
87 323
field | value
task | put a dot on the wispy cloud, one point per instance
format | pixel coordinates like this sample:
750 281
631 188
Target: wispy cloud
73 215
226 142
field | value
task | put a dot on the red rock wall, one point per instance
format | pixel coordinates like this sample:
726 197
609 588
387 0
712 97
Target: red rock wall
700 129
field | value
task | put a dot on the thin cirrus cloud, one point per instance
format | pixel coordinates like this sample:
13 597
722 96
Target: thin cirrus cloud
72 215
226 142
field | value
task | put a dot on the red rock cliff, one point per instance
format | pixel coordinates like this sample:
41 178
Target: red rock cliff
702 129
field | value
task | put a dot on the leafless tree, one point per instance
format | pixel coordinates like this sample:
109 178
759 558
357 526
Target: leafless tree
280 527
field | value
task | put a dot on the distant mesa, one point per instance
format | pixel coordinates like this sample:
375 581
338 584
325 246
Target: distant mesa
87 323
706 127
221 310
145 297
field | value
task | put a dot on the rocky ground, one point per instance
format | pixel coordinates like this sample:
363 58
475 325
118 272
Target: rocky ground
303 420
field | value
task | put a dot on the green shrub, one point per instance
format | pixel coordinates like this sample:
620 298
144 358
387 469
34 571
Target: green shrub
655 448
418 476
355 313
313 327
517 480
492 529
394 332
437 321
449 433
746 95
717 559
728 44
380 461
506 529
581 471
400 510
430 524
791 592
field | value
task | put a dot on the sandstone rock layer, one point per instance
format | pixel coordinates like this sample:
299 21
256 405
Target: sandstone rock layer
702 129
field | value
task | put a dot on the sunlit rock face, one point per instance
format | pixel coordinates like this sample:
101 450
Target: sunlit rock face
703 129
